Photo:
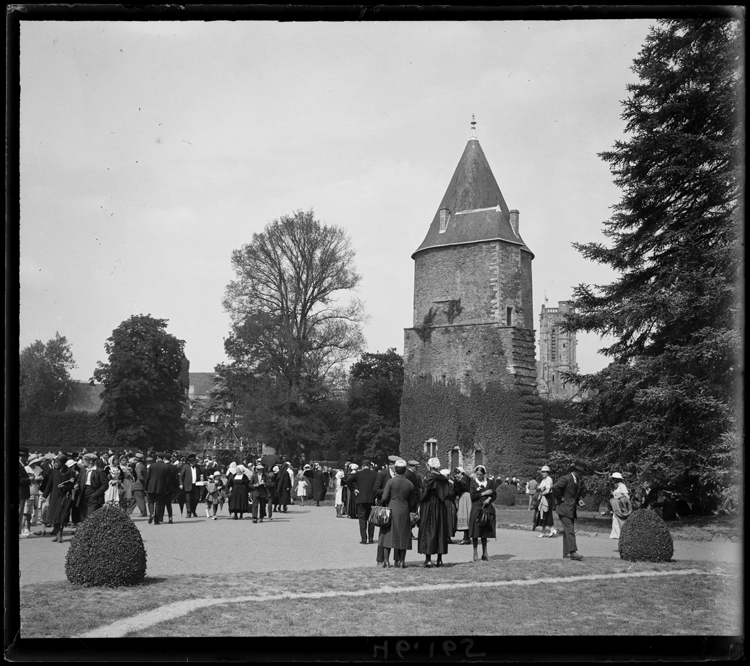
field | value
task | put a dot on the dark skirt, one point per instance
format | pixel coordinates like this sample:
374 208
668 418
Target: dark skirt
238 502
477 532
351 505
433 527
452 514
547 518
59 507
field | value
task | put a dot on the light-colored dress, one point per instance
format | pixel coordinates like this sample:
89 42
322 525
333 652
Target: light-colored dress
339 489
112 493
620 491
464 504
301 488
543 516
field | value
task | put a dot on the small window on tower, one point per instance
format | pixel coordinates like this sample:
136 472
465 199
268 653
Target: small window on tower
509 317
444 215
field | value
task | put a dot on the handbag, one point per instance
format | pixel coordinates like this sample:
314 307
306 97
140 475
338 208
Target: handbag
414 517
380 516
484 519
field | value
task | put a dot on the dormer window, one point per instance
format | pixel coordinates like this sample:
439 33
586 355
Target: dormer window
444 217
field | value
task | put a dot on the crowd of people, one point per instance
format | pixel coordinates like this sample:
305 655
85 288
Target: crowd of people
60 490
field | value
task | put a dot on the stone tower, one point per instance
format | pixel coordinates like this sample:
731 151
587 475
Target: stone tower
557 353
471 349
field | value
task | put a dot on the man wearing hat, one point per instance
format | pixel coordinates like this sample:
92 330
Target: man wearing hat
90 494
568 491
261 485
139 486
189 477
362 484
157 485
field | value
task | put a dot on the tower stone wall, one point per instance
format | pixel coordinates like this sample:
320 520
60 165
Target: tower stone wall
469 359
557 353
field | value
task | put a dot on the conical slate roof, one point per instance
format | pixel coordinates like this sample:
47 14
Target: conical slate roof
475 208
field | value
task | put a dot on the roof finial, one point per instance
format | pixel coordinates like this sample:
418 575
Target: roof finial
473 127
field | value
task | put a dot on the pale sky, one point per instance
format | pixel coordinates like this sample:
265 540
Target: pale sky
150 150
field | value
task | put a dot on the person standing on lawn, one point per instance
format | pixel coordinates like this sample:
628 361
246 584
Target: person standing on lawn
399 495
483 494
319 484
462 487
362 484
433 520
621 505
91 492
545 505
339 488
568 491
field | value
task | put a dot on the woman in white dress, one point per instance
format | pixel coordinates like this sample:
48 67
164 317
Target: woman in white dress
543 516
112 493
339 487
462 486
621 506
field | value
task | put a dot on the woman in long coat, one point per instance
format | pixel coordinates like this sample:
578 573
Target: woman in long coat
433 519
483 494
450 504
319 485
400 496
351 499
238 484
59 491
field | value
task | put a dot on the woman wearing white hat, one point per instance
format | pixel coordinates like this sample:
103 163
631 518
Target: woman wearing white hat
238 485
621 506
543 516
339 486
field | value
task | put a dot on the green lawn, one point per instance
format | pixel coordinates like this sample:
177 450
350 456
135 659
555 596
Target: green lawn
679 604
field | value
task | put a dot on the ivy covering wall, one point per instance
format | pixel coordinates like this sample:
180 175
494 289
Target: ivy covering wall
62 431
505 423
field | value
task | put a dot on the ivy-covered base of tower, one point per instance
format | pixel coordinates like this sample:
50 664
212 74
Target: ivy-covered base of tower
504 423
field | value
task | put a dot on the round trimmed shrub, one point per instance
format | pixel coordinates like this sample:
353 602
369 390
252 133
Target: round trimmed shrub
106 551
506 495
645 537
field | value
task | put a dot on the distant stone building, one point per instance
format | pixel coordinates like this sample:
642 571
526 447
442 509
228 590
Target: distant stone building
469 360
557 353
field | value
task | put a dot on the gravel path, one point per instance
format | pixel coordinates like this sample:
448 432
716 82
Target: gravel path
309 538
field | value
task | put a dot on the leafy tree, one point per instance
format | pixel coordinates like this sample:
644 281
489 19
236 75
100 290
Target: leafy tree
290 332
375 386
44 375
671 394
144 396
286 318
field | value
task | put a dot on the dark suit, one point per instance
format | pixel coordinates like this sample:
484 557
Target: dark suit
567 491
157 485
364 481
261 486
139 489
90 492
192 492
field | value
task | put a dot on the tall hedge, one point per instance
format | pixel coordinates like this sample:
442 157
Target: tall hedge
504 421
62 431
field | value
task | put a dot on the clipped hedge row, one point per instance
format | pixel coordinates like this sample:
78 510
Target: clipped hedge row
506 495
64 431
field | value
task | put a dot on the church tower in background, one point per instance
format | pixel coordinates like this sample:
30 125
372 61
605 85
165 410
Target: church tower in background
470 385
557 353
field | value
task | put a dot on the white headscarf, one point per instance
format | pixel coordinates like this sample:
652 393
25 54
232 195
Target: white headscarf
433 463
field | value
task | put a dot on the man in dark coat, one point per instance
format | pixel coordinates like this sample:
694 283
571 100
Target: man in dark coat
568 491
412 475
157 486
261 485
362 484
190 474
284 481
91 490
319 484
139 486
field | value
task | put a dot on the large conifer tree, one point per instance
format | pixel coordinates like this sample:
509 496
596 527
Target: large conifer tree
668 402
